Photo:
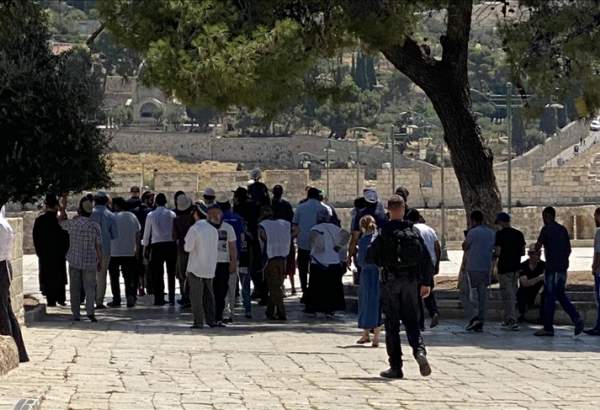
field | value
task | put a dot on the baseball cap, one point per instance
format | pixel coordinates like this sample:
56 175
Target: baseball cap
370 195
209 192
502 217
183 203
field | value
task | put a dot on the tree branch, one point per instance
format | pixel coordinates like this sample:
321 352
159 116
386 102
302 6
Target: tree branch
94 35
414 61
455 43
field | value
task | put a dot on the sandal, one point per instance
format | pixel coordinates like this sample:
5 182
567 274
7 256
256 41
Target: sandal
362 340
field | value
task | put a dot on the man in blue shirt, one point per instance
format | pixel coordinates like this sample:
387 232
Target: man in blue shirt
554 238
236 221
479 247
108 227
304 219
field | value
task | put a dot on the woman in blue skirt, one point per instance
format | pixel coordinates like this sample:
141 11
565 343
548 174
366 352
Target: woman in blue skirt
369 312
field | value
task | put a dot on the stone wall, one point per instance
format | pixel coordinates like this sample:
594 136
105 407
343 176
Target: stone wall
16 285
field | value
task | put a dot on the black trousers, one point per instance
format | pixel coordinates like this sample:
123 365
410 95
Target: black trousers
303 268
161 253
526 298
220 286
430 304
127 265
9 326
256 271
400 303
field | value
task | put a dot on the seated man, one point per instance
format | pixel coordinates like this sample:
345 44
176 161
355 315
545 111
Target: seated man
531 281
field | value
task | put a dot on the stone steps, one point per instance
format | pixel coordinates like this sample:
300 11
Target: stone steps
450 305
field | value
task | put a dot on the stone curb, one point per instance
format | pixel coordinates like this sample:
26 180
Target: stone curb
9 355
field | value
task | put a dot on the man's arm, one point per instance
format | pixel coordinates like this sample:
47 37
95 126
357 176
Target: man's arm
189 241
147 231
113 228
352 246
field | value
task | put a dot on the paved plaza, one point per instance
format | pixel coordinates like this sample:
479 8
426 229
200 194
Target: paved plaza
149 358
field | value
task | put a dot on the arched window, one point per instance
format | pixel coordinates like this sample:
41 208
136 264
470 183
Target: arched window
148 109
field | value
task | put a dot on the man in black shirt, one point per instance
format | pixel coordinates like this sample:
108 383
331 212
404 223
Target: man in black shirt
510 246
531 281
407 270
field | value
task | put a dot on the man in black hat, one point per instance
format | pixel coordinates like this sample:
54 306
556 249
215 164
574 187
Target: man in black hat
51 244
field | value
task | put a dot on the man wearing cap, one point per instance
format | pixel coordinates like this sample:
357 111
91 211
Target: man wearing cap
51 244
304 220
158 237
509 248
84 256
373 207
105 218
251 258
209 196
123 254
258 191
236 221
182 223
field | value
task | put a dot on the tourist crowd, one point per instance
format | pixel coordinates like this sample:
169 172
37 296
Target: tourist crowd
243 246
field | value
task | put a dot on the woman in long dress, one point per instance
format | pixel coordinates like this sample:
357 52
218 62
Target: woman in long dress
325 288
369 312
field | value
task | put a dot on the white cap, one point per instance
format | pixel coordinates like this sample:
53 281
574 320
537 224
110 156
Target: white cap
370 195
209 192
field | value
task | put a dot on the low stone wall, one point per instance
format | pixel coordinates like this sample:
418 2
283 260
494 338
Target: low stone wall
9 355
16 285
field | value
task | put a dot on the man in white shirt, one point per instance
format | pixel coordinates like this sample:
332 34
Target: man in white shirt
435 250
226 259
201 242
275 237
123 254
9 326
158 241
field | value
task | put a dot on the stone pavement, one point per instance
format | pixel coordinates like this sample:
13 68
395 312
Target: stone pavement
148 358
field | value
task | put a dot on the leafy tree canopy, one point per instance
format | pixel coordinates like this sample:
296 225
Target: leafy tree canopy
48 106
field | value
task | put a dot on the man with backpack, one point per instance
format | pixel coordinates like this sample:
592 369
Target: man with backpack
407 273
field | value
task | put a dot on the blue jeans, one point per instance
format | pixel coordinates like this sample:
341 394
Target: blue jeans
554 284
245 278
597 293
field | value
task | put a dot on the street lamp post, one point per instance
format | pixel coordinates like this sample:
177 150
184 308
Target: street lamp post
444 250
393 145
357 169
509 134
327 150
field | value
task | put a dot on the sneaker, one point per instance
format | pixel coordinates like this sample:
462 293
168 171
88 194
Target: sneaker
478 326
92 318
472 324
424 367
100 307
392 373
228 320
435 320
113 304
515 327
592 332
544 332
510 325
579 327
220 324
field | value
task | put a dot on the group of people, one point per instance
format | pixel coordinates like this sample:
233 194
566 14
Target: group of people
220 248
521 282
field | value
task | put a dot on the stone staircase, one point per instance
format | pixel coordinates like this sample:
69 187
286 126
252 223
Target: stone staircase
451 307
594 171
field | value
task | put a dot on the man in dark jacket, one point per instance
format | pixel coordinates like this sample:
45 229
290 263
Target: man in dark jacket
406 267
51 245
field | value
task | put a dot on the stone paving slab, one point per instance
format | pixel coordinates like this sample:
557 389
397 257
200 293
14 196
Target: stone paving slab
149 358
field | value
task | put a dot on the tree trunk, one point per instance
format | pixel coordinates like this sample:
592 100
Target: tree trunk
472 161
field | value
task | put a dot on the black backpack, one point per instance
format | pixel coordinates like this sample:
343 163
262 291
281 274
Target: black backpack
402 249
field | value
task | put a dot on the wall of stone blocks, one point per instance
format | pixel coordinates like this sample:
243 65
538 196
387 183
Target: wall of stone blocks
293 182
123 181
173 182
16 285
342 185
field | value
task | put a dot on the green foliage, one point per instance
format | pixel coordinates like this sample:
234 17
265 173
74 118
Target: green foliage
556 49
48 107
116 60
